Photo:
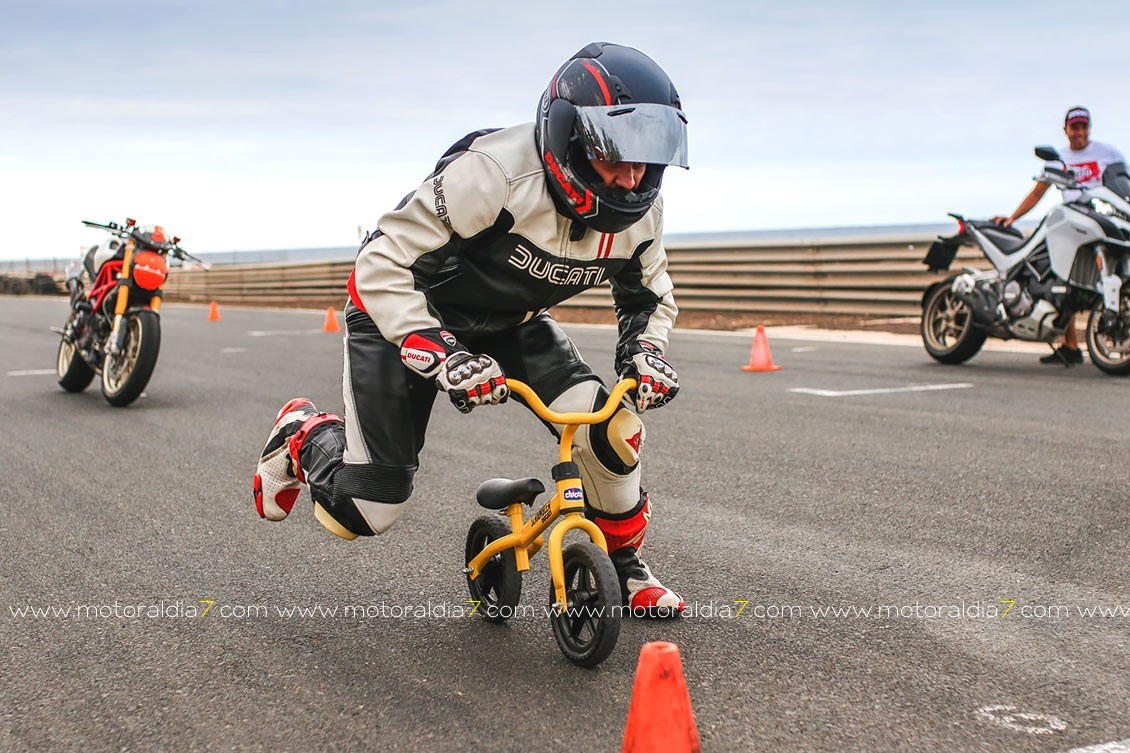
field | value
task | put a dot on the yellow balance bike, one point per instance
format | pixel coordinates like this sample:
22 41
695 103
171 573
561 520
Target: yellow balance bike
585 593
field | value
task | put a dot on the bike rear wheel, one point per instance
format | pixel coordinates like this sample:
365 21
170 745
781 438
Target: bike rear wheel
125 374
587 631
948 332
498 588
74 373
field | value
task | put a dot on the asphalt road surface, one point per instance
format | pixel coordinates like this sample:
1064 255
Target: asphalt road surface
917 569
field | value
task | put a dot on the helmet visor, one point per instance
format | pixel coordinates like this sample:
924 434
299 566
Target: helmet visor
649 133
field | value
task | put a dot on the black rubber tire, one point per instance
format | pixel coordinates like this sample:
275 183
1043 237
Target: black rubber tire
587 632
498 589
143 343
1098 351
941 313
74 373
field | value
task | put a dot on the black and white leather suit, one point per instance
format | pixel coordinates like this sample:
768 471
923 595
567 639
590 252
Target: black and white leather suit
482 251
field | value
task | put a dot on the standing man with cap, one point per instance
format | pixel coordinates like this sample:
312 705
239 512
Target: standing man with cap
1087 159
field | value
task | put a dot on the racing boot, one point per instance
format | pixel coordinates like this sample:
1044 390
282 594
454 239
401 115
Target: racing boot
639 589
278 475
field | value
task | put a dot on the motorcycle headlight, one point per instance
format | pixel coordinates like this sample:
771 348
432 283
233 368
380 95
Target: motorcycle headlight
1105 208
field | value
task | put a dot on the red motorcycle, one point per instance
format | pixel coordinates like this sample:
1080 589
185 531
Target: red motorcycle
114 327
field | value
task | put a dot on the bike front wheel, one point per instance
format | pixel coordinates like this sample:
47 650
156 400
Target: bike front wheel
587 631
1108 338
124 375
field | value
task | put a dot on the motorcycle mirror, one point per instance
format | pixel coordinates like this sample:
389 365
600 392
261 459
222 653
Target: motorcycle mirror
130 222
1048 154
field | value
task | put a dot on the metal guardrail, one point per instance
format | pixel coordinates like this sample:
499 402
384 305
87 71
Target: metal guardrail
863 276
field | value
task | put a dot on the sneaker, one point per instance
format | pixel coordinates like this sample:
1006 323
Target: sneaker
1064 356
276 484
641 590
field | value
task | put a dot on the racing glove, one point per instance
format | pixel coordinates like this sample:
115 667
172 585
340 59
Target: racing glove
658 382
469 380
425 351
472 380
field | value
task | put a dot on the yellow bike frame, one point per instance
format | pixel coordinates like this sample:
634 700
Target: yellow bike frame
526 537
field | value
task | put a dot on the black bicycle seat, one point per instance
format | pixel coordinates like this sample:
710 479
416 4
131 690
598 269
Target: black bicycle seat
499 493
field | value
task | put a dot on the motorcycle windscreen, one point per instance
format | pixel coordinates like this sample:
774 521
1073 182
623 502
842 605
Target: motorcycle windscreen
1116 177
649 133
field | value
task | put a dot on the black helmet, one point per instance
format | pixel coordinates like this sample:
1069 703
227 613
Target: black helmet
615 103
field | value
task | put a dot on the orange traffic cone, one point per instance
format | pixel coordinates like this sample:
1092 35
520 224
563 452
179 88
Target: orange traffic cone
760 359
660 717
213 312
331 324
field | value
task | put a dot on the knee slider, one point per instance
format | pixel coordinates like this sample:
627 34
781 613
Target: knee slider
614 443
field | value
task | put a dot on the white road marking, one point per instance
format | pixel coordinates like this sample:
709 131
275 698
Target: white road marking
804 350
282 332
1022 721
1116 746
881 391
233 350
32 372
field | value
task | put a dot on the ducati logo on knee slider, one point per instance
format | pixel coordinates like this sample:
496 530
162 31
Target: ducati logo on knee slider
634 441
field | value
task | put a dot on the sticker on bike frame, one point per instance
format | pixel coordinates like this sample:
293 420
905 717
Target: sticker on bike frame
574 494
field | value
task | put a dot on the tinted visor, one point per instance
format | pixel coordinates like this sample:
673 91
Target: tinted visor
649 133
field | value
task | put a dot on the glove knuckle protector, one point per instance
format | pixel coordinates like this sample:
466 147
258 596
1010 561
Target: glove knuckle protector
472 380
658 380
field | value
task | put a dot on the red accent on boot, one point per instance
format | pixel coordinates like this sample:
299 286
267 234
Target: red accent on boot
257 490
284 499
649 599
296 441
622 532
294 404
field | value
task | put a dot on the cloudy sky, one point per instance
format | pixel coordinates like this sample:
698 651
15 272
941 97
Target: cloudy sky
246 124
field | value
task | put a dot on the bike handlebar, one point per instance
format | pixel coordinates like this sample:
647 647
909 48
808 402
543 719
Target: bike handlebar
524 391
131 227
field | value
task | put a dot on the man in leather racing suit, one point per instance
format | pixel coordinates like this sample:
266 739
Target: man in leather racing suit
450 293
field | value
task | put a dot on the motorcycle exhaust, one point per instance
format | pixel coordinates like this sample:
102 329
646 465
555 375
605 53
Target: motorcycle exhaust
987 311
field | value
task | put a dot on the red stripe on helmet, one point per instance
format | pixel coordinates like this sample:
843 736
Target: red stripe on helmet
600 80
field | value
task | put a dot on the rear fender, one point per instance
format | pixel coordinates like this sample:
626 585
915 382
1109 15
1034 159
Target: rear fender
930 290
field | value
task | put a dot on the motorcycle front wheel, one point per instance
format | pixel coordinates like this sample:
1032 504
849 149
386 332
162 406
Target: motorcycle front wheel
125 374
947 328
74 373
1110 348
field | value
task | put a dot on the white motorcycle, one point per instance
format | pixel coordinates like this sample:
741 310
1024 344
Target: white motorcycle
1078 259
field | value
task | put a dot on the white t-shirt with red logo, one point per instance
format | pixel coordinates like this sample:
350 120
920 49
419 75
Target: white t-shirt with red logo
1088 165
